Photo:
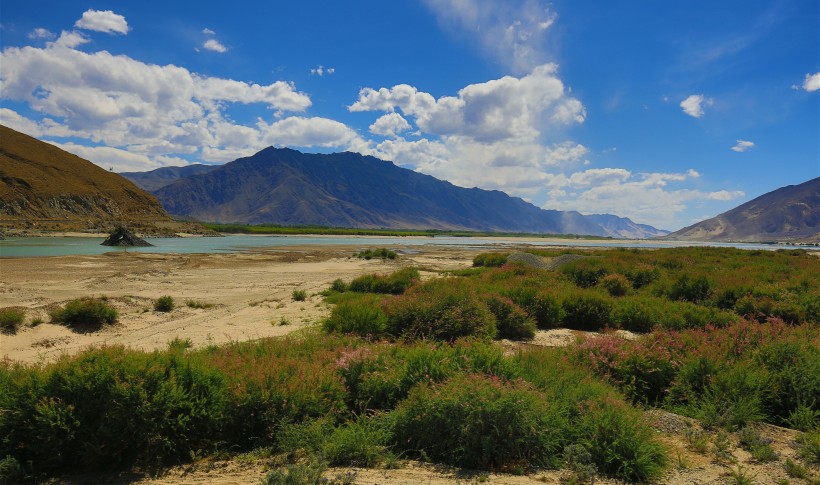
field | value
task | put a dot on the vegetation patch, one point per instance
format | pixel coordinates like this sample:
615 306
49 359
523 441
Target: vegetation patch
11 319
92 312
382 253
164 304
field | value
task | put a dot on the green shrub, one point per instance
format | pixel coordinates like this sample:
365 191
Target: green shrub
441 309
298 474
299 295
10 319
164 304
615 284
361 443
511 321
586 311
382 253
758 446
641 275
543 307
478 422
85 311
360 317
690 289
636 314
339 285
583 273
394 283
620 443
490 260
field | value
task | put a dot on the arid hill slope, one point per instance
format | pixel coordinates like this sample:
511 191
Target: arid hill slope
790 213
44 187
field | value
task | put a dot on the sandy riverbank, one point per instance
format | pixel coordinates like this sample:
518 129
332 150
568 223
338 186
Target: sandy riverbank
251 294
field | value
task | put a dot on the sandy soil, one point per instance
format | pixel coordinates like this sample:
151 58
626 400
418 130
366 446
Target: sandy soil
251 294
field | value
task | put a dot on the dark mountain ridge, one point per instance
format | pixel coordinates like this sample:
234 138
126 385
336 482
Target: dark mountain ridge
284 186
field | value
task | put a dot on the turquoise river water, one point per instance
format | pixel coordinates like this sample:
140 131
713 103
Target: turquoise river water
21 247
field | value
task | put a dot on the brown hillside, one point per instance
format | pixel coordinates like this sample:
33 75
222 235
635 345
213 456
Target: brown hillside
43 187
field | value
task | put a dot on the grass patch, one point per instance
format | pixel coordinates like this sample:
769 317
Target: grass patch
299 295
197 304
11 319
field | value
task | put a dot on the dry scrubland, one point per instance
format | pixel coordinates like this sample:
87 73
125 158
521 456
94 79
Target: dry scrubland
422 368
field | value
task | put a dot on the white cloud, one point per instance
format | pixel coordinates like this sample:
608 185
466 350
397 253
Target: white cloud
500 109
215 46
69 39
40 33
208 31
303 132
391 124
812 82
743 145
643 197
321 71
121 102
694 104
103 21
512 32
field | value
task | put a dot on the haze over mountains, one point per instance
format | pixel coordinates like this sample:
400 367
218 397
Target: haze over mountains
787 214
45 187
284 186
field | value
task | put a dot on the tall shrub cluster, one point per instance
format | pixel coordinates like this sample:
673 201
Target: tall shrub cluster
344 400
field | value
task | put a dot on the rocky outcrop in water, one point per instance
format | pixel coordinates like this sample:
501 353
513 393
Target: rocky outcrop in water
123 237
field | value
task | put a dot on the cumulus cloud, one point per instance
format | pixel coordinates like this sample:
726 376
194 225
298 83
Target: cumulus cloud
500 109
214 46
642 197
743 145
208 31
391 124
512 32
812 82
694 104
40 33
321 71
103 21
144 108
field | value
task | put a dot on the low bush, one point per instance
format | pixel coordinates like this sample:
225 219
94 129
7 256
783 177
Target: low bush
615 284
542 306
359 317
691 289
10 319
478 422
299 295
382 253
583 273
441 309
198 304
636 314
511 321
164 304
586 311
490 260
339 286
85 311
394 283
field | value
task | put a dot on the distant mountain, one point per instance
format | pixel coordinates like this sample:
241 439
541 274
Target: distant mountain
787 214
623 227
44 187
284 186
156 179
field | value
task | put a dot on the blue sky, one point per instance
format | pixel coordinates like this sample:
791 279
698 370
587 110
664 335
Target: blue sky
664 112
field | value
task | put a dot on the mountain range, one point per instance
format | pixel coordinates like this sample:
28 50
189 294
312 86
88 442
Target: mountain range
44 187
790 213
284 186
